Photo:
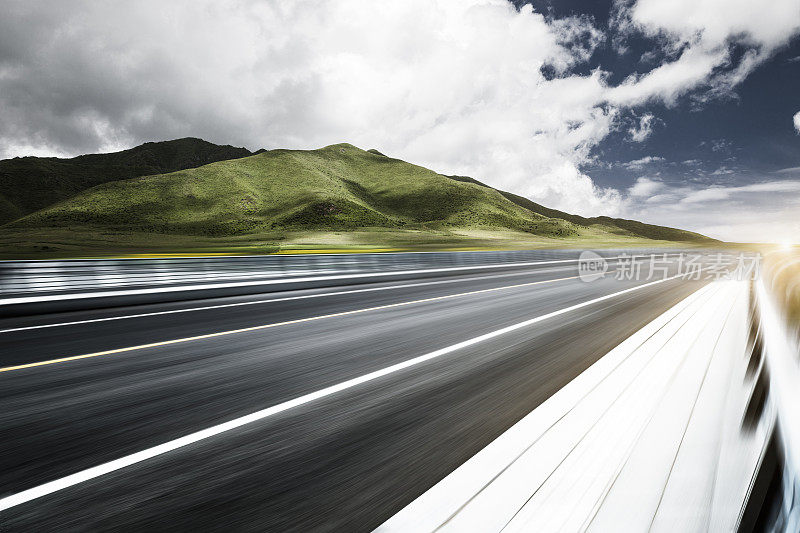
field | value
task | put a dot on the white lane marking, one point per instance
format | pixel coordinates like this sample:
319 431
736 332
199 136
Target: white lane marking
272 325
271 300
111 466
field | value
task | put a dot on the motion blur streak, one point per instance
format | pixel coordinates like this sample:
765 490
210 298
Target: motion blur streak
266 326
261 302
774 358
617 444
91 473
392 424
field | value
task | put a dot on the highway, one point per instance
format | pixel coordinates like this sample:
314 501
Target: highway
364 396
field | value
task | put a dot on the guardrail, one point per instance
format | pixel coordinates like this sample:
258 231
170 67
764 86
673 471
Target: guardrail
774 368
18 278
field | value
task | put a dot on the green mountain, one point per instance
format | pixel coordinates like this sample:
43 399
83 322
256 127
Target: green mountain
28 184
339 188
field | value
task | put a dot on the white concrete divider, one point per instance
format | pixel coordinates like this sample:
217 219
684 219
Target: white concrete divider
634 443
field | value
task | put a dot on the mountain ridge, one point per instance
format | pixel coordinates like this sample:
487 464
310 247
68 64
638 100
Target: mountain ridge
642 229
339 188
28 184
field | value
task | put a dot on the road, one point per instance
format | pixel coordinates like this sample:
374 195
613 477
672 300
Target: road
343 460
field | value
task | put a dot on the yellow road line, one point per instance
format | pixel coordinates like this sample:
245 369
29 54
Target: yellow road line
265 326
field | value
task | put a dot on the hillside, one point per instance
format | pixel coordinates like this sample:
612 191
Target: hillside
614 225
336 190
28 184
337 187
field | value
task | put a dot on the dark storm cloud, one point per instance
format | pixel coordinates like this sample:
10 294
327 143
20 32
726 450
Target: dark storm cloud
78 77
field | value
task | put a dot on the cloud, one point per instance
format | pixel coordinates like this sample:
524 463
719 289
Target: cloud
645 187
757 212
724 193
643 130
796 120
723 171
667 82
638 164
457 86
470 87
702 36
720 145
789 170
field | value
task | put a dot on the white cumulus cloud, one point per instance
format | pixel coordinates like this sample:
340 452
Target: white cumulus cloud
645 187
701 35
455 85
796 120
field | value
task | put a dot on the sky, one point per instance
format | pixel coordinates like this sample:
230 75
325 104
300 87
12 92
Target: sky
683 113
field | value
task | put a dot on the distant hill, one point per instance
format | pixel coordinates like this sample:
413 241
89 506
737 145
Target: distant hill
336 187
339 188
28 184
621 225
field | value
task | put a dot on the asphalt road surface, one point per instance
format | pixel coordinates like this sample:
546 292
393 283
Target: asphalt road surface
344 461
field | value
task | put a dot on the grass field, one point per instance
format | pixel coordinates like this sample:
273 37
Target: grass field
62 242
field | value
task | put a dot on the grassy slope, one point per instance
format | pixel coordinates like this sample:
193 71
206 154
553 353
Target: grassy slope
339 186
334 197
28 184
618 226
